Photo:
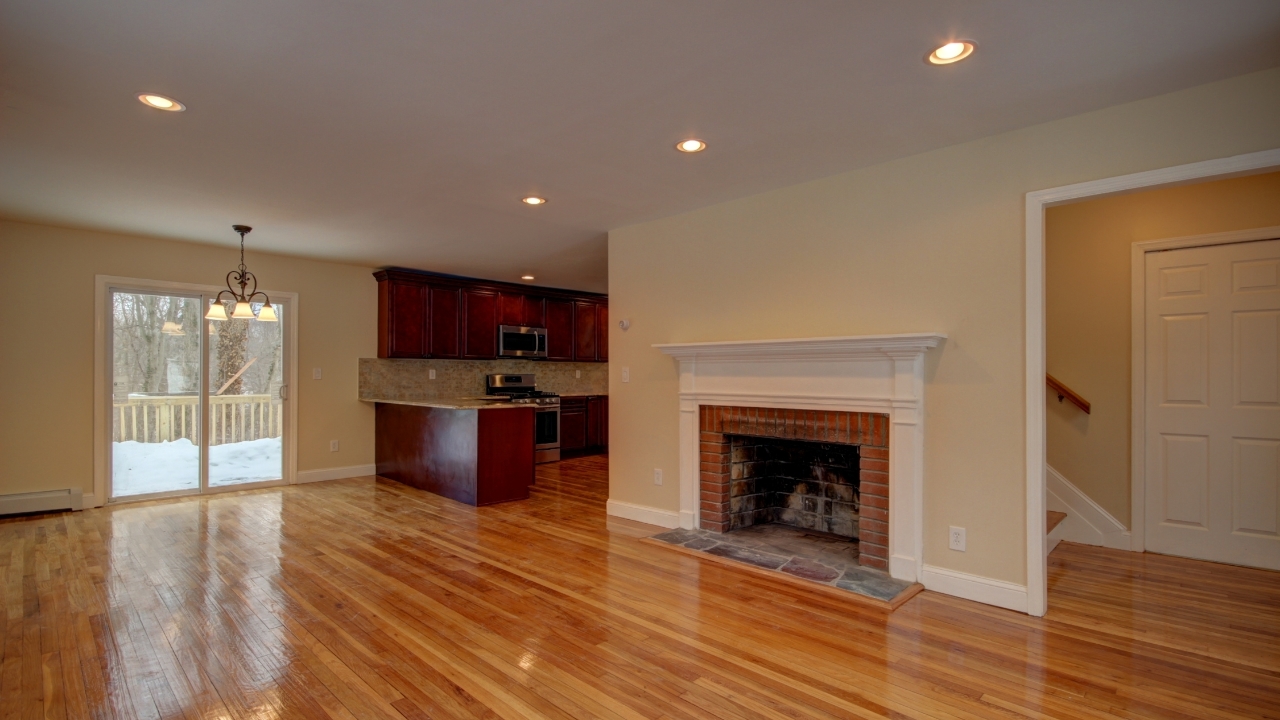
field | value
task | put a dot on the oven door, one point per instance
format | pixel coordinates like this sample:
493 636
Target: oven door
520 341
546 434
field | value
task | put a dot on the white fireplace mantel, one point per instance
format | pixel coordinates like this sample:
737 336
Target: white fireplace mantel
867 373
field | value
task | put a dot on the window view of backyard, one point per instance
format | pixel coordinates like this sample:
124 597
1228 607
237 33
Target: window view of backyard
156 401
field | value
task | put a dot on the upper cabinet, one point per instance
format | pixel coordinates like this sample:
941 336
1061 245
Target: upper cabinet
424 315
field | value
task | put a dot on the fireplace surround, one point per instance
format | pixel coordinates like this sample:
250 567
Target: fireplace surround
867 389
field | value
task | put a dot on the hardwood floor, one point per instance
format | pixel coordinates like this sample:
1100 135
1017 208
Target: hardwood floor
366 599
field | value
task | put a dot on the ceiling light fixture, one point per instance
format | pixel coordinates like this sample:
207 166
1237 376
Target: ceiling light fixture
526 277
534 200
691 146
243 300
161 102
952 52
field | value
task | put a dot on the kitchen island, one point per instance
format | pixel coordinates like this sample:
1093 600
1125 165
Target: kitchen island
478 452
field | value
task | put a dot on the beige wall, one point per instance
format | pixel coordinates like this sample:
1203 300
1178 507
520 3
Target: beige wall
932 242
1087 278
46 344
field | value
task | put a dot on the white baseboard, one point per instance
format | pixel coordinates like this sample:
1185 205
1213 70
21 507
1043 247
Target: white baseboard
46 501
337 473
644 514
1087 522
975 587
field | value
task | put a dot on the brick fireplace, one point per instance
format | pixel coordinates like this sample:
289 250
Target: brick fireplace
854 392
825 470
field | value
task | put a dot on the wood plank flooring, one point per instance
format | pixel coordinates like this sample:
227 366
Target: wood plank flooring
368 599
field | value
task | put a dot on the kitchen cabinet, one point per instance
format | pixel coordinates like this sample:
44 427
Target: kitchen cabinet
428 315
480 324
602 333
446 307
402 330
584 424
559 329
584 331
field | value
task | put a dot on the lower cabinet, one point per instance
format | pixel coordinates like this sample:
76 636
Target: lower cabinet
584 424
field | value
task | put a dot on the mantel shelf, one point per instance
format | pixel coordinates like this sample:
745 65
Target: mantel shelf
823 348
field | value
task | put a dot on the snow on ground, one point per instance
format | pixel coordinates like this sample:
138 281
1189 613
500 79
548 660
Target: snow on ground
139 468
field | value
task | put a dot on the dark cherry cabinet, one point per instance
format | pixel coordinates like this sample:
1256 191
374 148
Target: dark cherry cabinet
584 424
602 333
573 424
423 314
402 332
480 324
559 329
446 306
584 331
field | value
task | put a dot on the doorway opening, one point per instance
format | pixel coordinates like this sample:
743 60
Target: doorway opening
190 405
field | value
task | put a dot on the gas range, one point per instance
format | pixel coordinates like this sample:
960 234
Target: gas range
523 389
535 398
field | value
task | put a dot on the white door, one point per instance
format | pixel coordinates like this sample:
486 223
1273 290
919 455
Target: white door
1213 403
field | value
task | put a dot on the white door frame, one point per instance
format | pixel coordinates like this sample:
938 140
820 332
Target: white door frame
1138 380
101 378
1037 202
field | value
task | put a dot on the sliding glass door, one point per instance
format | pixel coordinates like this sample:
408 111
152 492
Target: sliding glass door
196 405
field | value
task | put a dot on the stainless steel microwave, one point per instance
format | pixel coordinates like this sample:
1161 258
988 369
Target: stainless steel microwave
520 341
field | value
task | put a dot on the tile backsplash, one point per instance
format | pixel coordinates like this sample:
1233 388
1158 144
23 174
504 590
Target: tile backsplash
397 379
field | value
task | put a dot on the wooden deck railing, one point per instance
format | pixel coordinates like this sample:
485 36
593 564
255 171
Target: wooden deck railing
233 418
1067 393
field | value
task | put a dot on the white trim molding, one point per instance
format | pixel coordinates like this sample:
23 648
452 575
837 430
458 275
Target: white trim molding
1010 596
872 373
1087 522
335 473
643 513
1036 203
1138 357
42 501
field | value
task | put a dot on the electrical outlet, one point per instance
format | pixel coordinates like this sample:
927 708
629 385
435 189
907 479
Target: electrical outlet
657 476
957 538
431 374
333 446
626 374
577 373
315 373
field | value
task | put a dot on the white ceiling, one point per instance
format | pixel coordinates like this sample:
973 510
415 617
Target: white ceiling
405 133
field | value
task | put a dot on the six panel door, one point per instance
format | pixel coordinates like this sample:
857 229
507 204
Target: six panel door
1212 446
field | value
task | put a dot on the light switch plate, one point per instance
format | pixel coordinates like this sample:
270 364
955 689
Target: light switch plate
626 374
431 374
577 373
315 373
957 538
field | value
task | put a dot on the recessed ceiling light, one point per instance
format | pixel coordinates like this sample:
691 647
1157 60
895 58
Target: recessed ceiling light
161 102
526 277
954 51
691 146
534 200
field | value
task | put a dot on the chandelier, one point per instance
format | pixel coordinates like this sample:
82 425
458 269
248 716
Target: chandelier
243 309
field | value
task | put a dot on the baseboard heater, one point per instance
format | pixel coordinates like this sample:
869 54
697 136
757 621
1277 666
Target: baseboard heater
47 501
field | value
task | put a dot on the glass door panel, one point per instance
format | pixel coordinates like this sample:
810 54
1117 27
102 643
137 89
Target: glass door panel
155 393
246 414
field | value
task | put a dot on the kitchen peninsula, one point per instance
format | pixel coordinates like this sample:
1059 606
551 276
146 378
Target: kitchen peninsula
474 451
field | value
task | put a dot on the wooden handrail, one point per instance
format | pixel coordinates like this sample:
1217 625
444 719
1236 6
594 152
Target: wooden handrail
1067 393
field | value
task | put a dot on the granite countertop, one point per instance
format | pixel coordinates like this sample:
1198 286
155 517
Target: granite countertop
454 403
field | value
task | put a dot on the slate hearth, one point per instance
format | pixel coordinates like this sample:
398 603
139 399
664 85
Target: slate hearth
817 557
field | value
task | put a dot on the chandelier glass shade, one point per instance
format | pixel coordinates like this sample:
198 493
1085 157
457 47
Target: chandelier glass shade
244 298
